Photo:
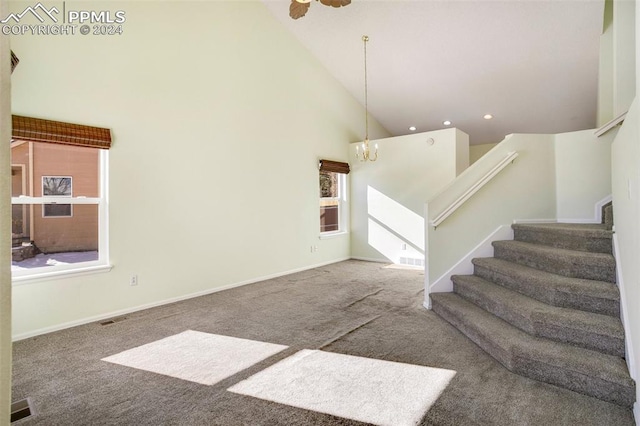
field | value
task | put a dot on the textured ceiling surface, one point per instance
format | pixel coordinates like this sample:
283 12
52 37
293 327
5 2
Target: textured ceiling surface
533 65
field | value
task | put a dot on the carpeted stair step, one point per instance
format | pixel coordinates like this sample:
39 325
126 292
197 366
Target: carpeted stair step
591 237
607 216
585 329
557 290
582 370
570 263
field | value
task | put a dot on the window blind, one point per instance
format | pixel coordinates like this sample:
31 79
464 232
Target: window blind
334 166
39 130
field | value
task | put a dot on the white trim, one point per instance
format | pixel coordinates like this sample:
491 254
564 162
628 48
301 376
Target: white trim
72 270
103 214
464 265
112 314
333 234
572 220
624 316
23 199
371 259
516 221
508 159
598 207
597 213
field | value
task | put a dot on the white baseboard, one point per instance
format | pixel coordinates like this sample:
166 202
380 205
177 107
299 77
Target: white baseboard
572 220
535 220
371 259
597 213
464 265
624 316
121 312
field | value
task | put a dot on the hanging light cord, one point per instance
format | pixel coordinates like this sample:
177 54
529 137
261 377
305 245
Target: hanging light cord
365 39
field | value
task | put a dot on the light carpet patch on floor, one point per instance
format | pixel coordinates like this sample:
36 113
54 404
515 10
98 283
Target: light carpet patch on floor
195 356
362 389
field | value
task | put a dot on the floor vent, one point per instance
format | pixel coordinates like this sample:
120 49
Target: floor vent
112 321
21 410
410 261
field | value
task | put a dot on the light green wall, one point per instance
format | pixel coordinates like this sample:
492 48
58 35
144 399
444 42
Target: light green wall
388 196
477 151
624 55
605 71
522 190
555 177
626 210
625 179
617 76
625 159
583 173
5 227
462 151
219 117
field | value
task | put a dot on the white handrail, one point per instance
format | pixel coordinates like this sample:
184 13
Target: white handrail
610 125
474 188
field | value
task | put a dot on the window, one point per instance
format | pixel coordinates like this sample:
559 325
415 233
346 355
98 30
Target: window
333 179
59 203
54 186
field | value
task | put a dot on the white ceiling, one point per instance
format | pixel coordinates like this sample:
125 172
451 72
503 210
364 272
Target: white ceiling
532 64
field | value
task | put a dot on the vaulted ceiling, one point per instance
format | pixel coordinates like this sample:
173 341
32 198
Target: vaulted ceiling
532 64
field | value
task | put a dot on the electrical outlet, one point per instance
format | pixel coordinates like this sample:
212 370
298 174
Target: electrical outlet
133 280
315 248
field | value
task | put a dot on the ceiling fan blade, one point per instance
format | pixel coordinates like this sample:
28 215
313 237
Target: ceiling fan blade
297 9
335 3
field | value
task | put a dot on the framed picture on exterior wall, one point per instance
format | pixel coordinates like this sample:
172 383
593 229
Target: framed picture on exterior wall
57 186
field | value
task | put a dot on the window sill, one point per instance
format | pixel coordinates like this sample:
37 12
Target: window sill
329 235
59 274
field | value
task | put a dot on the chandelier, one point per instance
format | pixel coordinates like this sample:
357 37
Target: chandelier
299 8
366 154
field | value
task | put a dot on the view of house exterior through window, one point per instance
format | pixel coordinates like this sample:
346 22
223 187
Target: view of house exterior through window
331 192
42 173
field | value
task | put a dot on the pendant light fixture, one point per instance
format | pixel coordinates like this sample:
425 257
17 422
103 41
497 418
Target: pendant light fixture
366 154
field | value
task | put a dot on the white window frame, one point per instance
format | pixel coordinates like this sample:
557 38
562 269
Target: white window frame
343 212
102 201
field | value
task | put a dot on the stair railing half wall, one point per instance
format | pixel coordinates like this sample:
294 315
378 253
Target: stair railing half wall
508 159
479 206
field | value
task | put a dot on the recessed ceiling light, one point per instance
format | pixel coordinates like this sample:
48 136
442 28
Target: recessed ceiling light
446 123
488 116
412 128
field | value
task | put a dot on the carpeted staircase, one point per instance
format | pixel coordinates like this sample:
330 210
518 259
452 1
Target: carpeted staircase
547 307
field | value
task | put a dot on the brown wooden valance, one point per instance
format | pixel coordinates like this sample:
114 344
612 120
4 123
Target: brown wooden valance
334 166
14 61
38 130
